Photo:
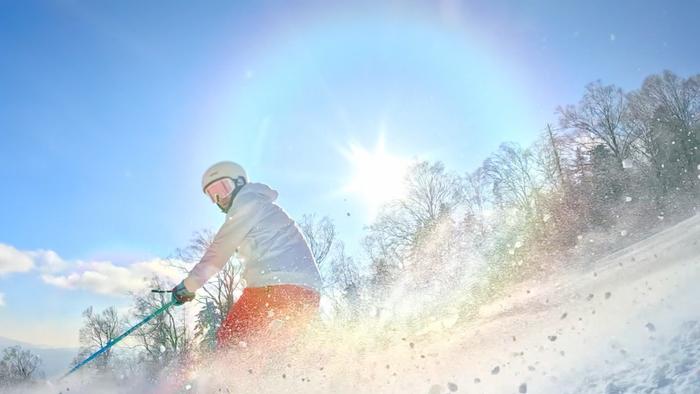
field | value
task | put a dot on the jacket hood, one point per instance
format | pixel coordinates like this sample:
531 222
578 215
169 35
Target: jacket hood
256 190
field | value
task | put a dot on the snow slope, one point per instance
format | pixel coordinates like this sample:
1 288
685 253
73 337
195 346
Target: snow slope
627 323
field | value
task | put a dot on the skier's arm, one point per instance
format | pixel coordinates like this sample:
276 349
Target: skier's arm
237 225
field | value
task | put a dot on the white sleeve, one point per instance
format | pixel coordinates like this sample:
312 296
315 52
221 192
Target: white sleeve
229 237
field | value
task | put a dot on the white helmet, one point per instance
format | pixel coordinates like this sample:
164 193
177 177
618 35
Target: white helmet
223 169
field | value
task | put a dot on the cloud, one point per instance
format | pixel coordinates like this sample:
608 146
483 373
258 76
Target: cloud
13 260
2 299
48 261
107 278
102 277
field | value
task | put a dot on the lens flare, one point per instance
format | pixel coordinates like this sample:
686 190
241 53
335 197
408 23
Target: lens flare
378 176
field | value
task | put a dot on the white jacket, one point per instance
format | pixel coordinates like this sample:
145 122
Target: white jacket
270 245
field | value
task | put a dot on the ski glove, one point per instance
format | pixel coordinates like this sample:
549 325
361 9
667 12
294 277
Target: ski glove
181 294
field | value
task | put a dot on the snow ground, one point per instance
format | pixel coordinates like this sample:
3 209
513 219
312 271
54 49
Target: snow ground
629 323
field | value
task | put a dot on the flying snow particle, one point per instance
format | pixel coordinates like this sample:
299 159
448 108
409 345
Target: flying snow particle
628 199
162 349
612 37
188 387
452 386
623 233
435 389
522 388
496 370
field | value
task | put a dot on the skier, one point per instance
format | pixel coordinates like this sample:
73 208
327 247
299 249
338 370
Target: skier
282 280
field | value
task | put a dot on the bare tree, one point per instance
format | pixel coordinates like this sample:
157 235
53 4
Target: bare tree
511 171
18 366
166 336
431 194
98 330
651 138
476 197
600 113
342 282
676 109
320 234
550 156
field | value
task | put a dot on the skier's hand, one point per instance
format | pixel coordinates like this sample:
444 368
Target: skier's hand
181 294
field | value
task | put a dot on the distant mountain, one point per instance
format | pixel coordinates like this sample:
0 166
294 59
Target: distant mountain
54 361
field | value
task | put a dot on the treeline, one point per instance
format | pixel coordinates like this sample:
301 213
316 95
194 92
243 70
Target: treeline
615 164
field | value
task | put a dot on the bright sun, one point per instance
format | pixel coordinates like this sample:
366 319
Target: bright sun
378 177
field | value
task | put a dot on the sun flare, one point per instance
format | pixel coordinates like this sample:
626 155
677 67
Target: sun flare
377 176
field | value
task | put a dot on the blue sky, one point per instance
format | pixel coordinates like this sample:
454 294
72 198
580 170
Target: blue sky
110 111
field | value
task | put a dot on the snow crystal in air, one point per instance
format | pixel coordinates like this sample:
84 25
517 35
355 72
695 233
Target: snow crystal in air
628 199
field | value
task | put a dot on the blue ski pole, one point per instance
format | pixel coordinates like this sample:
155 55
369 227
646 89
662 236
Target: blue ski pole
119 338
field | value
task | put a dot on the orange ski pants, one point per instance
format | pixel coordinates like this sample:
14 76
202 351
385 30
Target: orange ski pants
268 316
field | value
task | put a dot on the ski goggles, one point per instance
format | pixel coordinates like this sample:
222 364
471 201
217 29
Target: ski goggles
220 189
